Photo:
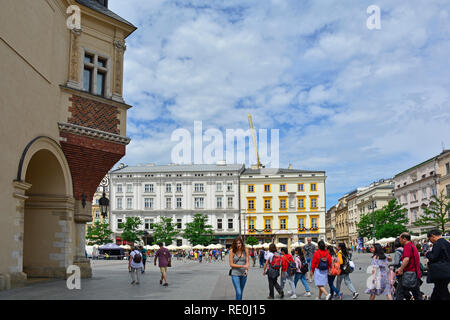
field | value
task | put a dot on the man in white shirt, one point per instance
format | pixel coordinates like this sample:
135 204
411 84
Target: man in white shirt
135 265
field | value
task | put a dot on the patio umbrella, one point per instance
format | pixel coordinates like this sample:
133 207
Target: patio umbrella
199 246
281 245
211 246
154 247
172 247
266 245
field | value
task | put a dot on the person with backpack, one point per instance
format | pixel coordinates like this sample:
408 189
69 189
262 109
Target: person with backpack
380 282
165 261
261 258
319 267
239 263
288 269
333 272
272 269
310 249
135 265
346 269
144 258
302 270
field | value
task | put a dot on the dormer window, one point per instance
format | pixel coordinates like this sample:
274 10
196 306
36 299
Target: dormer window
95 74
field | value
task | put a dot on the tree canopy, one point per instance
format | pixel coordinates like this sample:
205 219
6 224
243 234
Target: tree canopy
198 231
164 231
98 234
436 213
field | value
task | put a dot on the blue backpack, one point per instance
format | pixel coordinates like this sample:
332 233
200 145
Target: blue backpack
323 263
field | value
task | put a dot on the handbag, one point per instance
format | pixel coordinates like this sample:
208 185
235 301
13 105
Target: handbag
409 278
440 271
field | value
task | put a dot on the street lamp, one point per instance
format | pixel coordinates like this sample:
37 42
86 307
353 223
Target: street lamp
104 201
372 207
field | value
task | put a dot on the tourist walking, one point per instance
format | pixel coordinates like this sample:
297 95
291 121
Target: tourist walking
319 267
381 279
272 268
302 270
135 265
396 264
144 258
333 271
253 256
165 261
239 257
261 258
310 249
439 265
346 269
288 272
409 270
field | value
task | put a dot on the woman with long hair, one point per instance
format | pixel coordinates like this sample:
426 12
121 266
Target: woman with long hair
239 264
380 283
302 270
319 266
344 259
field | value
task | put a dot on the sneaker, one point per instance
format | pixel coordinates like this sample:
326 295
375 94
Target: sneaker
165 285
355 295
308 294
160 281
137 282
289 292
317 298
282 295
328 297
133 282
270 298
339 297
293 296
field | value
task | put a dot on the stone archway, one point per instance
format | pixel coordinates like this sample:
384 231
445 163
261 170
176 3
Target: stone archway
48 208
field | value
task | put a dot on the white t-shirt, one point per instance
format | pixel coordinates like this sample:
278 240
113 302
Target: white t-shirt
268 256
134 264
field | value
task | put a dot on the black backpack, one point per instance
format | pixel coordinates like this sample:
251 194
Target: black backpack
137 258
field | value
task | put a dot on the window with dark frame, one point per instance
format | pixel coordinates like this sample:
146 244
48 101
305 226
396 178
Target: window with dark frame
95 67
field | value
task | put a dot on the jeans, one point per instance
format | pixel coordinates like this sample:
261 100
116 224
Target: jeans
284 277
239 284
308 261
348 282
333 289
302 277
273 283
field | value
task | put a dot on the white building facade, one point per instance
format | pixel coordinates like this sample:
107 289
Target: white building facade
178 192
415 187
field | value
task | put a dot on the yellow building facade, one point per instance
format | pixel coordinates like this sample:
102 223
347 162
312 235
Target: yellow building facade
282 205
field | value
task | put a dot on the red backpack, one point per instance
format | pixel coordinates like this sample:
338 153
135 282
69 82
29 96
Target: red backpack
335 268
276 261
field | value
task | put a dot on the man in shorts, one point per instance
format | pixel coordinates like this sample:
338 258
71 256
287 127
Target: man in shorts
165 261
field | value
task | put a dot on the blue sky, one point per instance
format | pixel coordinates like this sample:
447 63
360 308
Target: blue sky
360 104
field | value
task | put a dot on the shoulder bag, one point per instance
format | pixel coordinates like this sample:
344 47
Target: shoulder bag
440 271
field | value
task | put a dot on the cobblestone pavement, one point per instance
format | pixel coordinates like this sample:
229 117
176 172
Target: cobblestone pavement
187 281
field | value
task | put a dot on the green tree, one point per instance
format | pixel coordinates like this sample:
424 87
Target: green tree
198 231
164 231
390 221
131 232
436 214
252 241
98 234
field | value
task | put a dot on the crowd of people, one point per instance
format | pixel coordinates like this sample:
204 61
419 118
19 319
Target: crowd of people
397 279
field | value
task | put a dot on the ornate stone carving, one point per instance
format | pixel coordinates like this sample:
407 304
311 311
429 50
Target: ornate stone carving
74 75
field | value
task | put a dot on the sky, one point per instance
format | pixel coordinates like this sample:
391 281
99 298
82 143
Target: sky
360 104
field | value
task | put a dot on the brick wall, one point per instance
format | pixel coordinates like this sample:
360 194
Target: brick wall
89 160
93 114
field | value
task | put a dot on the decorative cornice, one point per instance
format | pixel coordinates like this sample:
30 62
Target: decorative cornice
120 44
93 133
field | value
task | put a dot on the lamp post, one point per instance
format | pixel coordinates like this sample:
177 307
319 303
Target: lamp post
104 201
372 207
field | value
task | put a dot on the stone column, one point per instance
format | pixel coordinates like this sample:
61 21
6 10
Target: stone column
75 60
83 214
119 50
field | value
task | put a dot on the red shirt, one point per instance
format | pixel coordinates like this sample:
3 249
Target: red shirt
285 259
410 251
316 259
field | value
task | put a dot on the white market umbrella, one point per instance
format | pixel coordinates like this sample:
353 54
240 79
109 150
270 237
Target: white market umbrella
219 246
171 247
266 245
154 247
199 247
281 245
211 246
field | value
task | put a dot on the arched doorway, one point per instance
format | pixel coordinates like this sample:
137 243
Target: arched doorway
48 236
